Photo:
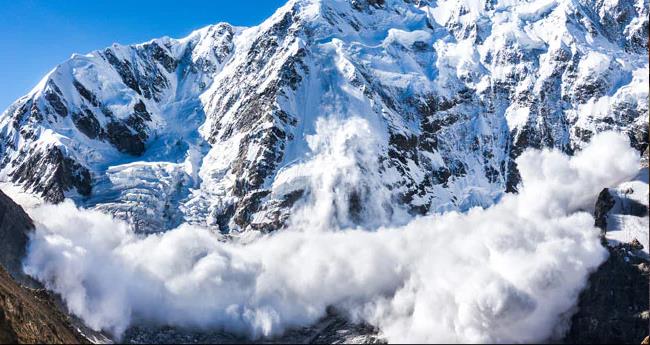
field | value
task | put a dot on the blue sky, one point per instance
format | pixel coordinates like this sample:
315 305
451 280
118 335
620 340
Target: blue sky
36 35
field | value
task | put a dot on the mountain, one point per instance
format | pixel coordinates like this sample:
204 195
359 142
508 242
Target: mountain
431 101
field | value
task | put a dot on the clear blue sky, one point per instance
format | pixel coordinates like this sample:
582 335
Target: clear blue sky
36 35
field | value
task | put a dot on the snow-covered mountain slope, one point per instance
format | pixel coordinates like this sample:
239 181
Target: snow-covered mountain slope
428 101
623 212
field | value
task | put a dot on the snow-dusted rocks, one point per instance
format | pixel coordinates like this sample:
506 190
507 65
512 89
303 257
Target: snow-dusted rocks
208 129
622 212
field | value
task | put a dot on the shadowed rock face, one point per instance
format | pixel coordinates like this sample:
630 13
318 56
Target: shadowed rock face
331 329
614 307
26 315
60 174
15 225
604 204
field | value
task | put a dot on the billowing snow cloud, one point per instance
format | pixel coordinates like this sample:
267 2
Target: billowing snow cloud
509 273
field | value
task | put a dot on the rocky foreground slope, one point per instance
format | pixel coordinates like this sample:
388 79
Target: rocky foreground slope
615 306
26 315
29 316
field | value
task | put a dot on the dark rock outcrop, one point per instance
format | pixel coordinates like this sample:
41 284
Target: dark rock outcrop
331 329
613 309
87 123
604 204
614 306
51 173
126 141
15 226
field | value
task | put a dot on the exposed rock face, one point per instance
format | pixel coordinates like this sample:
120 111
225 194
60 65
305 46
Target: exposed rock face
58 172
613 309
26 315
604 204
455 92
15 225
332 329
31 316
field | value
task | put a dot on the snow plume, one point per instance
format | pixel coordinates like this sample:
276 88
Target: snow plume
509 273
341 184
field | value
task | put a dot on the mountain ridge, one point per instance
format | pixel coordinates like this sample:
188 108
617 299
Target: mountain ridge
209 124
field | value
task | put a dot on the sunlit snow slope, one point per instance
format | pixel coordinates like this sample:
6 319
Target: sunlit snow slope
214 129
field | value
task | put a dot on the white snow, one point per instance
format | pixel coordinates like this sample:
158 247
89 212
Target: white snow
410 53
490 275
624 228
18 195
517 118
594 63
